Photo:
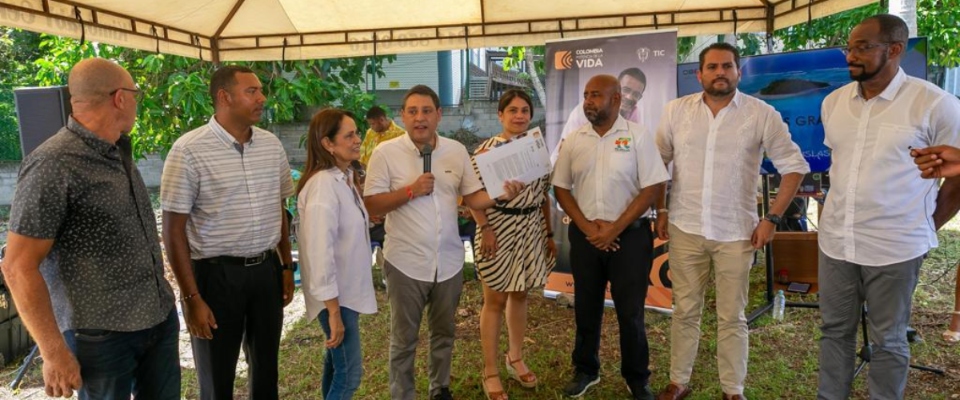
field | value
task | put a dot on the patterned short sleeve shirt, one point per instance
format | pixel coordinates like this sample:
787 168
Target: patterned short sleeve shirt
105 269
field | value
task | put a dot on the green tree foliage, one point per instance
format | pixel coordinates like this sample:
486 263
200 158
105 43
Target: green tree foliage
175 89
18 49
828 31
939 21
936 19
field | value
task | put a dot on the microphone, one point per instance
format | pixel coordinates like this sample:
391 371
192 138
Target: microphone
426 153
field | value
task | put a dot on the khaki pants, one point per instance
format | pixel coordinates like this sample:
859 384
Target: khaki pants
690 259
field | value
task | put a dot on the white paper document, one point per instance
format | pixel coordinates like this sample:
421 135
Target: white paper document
525 159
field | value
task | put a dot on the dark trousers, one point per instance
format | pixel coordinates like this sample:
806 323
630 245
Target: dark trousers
627 271
114 365
247 302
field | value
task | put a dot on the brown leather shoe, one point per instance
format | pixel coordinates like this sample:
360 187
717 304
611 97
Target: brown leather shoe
733 397
674 392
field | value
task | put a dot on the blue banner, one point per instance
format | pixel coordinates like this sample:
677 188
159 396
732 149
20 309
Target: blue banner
795 84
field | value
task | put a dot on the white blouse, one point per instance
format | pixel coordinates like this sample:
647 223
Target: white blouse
335 254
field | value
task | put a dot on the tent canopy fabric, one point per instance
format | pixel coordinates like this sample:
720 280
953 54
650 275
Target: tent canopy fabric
259 30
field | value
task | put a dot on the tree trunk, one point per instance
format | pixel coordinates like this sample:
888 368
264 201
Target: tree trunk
906 9
535 77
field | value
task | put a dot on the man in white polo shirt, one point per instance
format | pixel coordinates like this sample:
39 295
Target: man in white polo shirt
226 237
880 218
607 176
423 252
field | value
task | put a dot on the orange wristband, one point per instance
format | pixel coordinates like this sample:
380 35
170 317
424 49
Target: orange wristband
409 193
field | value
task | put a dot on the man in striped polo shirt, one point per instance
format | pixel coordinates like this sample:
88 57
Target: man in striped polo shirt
226 237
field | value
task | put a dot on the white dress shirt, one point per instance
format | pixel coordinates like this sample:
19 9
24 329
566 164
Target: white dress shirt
716 162
605 173
878 210
334 244
422 239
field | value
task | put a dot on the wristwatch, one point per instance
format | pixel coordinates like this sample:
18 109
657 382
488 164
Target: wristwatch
289 267
773 218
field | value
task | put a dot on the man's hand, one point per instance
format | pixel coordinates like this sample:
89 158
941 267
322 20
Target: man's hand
336 331
488 243
199 318
423 185
376 219
511 189
287 287
937 161
762 234
61 373
606 237
663 225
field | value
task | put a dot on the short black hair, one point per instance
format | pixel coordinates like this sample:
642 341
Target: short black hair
422 90
224 78
893 29
375 112
722 46
636 73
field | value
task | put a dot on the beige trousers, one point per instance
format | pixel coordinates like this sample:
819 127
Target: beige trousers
690 260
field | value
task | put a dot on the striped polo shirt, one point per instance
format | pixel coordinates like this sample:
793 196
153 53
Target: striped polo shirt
232 192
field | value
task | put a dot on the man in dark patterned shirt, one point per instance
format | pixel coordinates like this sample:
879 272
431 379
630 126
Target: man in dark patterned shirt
83 263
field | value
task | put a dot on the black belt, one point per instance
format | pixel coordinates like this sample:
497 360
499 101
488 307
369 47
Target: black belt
516 211
244 261
638 223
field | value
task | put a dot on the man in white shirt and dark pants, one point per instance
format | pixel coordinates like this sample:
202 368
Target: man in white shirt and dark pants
607 177
880 218
716 140
423 253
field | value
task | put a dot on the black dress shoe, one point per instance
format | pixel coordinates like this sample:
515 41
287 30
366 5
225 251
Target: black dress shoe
641 392
580 383
444 394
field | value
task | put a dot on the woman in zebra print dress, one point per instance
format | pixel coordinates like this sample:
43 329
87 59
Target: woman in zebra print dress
516 254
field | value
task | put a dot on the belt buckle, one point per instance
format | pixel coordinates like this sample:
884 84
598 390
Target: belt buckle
251 261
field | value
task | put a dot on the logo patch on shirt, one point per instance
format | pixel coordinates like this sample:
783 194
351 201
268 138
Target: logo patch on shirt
622 144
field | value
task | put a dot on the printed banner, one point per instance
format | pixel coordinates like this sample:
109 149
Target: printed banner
646 65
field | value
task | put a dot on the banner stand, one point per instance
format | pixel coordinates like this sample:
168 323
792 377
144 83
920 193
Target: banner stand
768 254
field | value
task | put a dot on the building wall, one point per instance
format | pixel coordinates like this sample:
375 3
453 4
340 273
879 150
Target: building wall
150 168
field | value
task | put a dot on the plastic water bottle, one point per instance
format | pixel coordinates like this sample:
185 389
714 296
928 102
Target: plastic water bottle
779 303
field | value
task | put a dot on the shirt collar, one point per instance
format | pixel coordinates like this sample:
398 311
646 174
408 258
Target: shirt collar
91 139
891 90
409 144
338 174
226 138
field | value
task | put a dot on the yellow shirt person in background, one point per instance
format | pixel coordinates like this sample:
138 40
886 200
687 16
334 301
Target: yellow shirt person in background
381 130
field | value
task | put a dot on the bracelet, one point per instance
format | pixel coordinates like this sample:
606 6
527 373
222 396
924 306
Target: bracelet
662 211
549 235
409 193
188 297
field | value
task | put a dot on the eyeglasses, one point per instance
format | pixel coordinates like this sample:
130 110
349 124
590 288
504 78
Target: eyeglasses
137 93
863 48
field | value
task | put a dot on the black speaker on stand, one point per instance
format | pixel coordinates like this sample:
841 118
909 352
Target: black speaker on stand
42 111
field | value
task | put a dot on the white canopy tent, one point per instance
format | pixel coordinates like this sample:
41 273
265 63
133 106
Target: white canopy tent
253 30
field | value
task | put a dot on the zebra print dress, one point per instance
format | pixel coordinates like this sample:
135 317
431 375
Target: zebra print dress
522 261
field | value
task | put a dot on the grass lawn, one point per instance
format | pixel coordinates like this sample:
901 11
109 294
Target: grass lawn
783 356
